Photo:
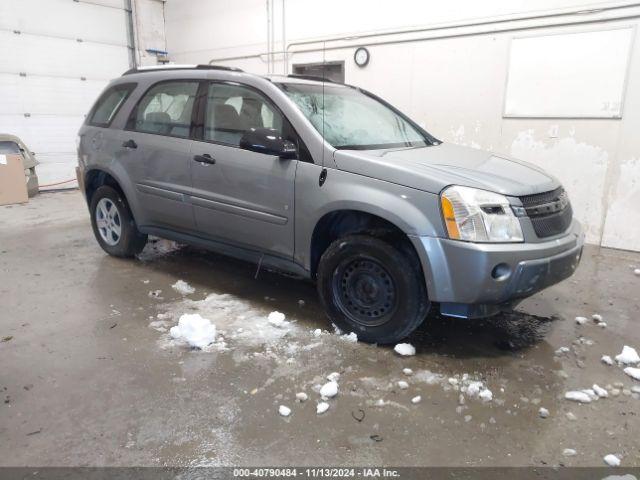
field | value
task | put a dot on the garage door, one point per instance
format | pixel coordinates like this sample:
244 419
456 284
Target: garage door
52 71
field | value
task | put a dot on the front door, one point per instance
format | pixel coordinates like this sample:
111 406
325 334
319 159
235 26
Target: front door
241 197
156 153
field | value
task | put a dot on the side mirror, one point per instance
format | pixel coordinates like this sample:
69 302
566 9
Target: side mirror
269 142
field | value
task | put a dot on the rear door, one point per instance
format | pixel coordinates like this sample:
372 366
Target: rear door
242 197
155 150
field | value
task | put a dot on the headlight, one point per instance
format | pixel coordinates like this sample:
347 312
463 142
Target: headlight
479 216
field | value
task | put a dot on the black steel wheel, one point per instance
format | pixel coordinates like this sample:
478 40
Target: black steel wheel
372 288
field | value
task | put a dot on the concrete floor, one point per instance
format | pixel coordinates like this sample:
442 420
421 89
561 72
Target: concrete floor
86 380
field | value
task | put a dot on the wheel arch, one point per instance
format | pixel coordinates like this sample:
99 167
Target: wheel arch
95 178
348 221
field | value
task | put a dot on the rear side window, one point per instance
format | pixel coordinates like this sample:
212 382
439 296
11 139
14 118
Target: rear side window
166 109
108 105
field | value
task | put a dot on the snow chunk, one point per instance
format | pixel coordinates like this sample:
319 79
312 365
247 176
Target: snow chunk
543 412
577 396
322 407
403 385
628 356
562 350
637 272
317 332
277 319
612 460
333 376
183 287
416 399
569 452
301 396
474 388
606 359
633 372
407 371
349 337
284 410
596 317
329 390
486 395
405 349
581 320
195 330
601 392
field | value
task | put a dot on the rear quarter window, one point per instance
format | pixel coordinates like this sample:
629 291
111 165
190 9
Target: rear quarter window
109 104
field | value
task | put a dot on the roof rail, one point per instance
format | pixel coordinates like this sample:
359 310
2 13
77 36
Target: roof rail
312 77
164 68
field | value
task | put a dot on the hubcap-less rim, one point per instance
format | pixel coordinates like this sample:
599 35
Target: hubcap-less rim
365 291
108 221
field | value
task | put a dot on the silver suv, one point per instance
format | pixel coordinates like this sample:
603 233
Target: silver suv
325 181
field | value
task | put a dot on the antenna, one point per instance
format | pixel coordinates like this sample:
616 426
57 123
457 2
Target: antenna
323 172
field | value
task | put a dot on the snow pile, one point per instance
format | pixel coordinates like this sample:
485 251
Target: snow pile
329 390
195 330
333 377
606 359
578 396
416 399
612 460
581 320
284 410
475 388
321 408
628 356
407 371
405 349
403 385
633 372
183 287
349 337
543 412
301 397
277 319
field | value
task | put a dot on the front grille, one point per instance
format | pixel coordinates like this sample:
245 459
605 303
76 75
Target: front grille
550 212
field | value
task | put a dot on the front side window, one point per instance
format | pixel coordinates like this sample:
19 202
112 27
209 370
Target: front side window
166 109
233 110
349 119
108 105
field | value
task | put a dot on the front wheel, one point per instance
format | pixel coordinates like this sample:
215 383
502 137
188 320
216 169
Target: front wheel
113 225
372 288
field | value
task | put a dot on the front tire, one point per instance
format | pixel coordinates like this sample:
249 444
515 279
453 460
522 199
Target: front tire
113 224
372 288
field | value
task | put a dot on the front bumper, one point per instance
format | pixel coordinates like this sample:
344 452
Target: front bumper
476 279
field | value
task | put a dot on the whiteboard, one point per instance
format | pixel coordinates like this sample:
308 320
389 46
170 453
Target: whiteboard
568 75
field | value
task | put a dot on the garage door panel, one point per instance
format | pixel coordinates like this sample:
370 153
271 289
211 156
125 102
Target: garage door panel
44 133
55 57
73 19
48 95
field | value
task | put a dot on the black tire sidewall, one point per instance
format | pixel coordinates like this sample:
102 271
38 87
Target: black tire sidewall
131 241
412 302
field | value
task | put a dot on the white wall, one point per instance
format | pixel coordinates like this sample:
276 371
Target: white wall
451 79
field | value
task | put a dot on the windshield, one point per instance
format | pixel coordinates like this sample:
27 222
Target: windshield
353 120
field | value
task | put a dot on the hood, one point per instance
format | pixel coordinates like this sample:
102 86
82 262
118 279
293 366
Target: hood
433 168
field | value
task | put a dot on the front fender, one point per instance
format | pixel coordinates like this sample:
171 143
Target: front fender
413 211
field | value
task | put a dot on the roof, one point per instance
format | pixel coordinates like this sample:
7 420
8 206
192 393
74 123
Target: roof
169 67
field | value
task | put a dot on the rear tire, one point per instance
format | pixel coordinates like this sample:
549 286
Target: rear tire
113 224
372 288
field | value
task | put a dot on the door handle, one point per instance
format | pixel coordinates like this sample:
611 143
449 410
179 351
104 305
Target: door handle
130 144
206 158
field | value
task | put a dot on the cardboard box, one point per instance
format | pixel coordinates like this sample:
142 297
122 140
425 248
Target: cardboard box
13 184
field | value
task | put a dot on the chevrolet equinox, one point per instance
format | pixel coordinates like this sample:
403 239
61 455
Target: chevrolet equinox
325 181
